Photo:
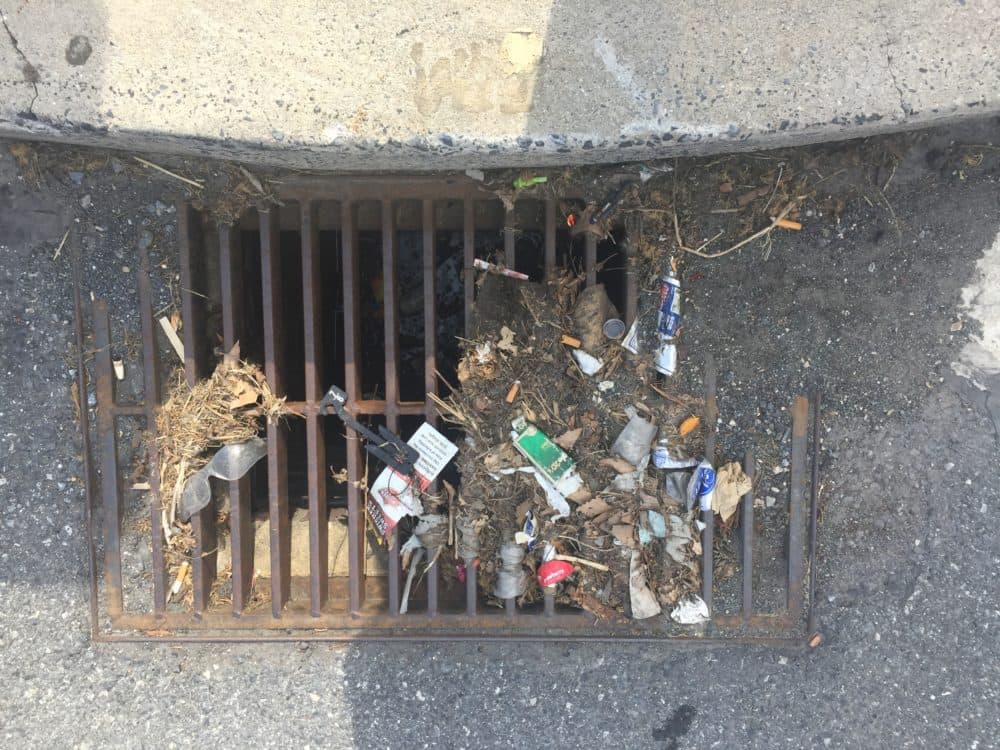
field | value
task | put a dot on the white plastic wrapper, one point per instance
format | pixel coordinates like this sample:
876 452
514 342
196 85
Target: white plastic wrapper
589 364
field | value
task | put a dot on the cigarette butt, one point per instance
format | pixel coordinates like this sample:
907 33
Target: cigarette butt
182 572
512 393
688 426
570 341
788 224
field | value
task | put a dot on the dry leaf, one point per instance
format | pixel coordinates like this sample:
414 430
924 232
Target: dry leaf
624 533
568 439
243 395
506 342
74 396
593 605
595 507
231 358
648 501
618 464
726 187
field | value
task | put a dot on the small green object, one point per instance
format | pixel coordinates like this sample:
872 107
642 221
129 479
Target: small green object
525 182
544 455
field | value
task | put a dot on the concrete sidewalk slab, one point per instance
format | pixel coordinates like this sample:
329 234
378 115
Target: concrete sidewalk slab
442 84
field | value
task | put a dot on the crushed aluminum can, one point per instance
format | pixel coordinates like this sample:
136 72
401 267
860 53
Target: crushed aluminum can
669 318
662 459
701 488
665 358
527 533
552 572
631 341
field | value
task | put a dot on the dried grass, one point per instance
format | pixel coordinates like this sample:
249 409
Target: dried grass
230 406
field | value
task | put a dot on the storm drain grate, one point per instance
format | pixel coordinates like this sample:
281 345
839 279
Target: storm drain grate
364 283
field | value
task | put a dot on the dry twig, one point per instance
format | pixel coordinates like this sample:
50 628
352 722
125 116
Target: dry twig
158 168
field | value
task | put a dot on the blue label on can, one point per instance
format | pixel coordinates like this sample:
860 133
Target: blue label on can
669 318
706 480
529 530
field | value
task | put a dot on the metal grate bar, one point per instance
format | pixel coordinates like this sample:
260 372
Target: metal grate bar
430 360
550 237
151 399
430 316
633 232
800 418
107 438
509 239
128 410
352 381
89 480
205 555
391 301
469 257
708 516
277 449
471 596
319 530
240 518
813 631
590 259
406 408
747 524
549 604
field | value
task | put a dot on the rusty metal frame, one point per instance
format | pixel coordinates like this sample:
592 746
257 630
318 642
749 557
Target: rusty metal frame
338 609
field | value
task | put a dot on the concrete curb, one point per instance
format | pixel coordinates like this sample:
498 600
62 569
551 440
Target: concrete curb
438 86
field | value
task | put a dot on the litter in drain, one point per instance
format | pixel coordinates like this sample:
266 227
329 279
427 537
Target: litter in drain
369 283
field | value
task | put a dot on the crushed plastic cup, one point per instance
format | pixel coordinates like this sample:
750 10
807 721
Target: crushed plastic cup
229 463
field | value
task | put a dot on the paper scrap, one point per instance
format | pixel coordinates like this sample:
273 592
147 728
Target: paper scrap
644 604
392 495
731 484
678 539
589 364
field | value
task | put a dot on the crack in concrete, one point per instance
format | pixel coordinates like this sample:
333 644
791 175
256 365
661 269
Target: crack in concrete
907 110
30 71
